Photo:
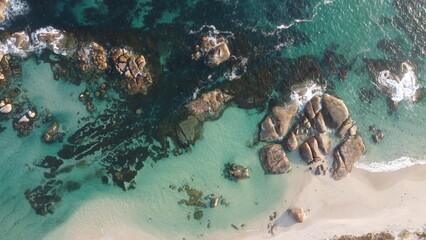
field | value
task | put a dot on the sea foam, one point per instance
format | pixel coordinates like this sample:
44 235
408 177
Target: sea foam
302 94
400 163
14 8
400 88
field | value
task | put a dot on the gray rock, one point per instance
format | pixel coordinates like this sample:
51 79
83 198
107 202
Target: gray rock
187 130
334 110
214 202
274 160
346 154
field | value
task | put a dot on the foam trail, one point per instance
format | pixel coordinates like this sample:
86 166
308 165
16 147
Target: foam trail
391 166
400 89
301 95
14 8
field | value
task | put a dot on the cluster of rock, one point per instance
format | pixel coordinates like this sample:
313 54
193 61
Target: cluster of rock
92 56
137 78
319 115
24 124
212 50
52 134
209 106
4 67
236 172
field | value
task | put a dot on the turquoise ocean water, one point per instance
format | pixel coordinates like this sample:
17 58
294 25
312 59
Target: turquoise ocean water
261 32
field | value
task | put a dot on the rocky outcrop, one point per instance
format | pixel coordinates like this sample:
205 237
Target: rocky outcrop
52 133
236 172
92 56
3 6
188 130
298 214
213 50
24 124
334 110
209 105
4 67
315 148
274 159
276 125
137 78
346 154
291 142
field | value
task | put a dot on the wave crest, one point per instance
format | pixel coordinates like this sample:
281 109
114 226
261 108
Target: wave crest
397 164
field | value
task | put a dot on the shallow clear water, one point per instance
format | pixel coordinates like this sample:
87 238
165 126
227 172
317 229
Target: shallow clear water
271 30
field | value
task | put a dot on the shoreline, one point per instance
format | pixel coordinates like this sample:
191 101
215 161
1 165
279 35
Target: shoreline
360 203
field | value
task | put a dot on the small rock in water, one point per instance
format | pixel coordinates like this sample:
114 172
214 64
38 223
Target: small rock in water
214 202
378 137
198 215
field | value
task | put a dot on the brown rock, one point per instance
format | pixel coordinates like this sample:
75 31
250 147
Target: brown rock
346 154
319 123
334 110
316 104
316 153
217 55
267 131
298 214
324 142
309 111
343 130
274 160
133 67
291 142
283 117
306 153
209 105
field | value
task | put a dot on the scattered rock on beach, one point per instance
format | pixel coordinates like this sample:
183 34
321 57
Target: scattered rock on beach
298 214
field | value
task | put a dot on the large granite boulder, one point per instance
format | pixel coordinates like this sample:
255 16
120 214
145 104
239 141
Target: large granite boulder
291 142
324 142
306 153
278 122
214 51
334 110
209 105
346 154
274 160
52 133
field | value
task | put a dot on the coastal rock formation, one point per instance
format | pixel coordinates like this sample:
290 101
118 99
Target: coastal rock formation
335 111
209 105
274 160
212 50
291 142
276 125
4 67
3 6
93 55
298 214
24 124
54 39
370 236
188 130
236 172
136 77
315 148
346 154
52 133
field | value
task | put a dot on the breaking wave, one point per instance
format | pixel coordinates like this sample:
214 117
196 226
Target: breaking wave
14 8
391 166
302 94
399 88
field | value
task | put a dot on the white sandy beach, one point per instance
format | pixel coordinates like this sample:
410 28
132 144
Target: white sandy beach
360 203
